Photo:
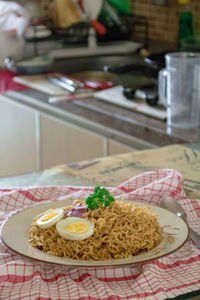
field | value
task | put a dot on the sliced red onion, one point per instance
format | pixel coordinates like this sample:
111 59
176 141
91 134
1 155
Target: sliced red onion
77 211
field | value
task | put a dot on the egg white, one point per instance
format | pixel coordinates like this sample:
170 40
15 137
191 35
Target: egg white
53 220
63 232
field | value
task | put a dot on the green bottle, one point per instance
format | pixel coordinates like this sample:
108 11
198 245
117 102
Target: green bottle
185 29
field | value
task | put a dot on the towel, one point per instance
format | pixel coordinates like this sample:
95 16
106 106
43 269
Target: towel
167 277
7 83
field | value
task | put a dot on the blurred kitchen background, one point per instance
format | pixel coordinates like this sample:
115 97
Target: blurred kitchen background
85 72
158 25
152 22
162 15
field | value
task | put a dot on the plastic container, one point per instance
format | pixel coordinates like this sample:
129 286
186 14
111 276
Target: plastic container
179 89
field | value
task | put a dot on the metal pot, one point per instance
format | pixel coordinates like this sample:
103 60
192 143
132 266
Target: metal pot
30 65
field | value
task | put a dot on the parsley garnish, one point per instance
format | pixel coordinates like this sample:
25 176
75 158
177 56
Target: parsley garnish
99 197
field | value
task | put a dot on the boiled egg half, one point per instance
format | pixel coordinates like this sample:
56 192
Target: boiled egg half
50 217
73 228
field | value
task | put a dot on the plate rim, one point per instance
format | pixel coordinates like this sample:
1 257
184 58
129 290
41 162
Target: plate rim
74 261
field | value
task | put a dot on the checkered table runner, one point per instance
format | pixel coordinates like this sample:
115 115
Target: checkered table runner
166 277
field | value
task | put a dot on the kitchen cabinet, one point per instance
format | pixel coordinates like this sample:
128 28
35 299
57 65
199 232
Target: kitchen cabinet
18 149
38 136
32 140
62 142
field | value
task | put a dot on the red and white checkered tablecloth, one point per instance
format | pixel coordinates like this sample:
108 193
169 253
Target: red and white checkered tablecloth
166 277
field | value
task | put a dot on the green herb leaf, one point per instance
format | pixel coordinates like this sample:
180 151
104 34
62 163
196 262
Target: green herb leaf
100 197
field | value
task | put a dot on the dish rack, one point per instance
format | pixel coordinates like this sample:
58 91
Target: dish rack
131 28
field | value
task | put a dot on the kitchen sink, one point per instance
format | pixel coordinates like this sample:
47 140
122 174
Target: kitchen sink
138 78
128 71
95 63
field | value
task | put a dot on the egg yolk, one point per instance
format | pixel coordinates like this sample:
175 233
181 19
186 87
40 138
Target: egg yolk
49 216
77 227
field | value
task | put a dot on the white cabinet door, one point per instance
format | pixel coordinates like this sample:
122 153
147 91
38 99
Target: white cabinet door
17 138
115 148
62 142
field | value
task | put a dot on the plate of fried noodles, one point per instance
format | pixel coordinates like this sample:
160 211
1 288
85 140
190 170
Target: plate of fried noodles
96 231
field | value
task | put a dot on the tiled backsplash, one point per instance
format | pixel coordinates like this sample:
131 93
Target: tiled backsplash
163 20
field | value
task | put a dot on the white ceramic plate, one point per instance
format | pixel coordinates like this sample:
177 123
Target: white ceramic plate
16 228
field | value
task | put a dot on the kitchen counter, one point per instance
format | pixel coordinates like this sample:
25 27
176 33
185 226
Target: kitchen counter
112 121
124 125
52 133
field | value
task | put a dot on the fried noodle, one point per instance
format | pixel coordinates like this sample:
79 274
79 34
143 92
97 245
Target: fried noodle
121 230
